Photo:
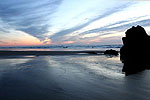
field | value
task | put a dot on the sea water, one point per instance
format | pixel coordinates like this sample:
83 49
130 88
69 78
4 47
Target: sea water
62 48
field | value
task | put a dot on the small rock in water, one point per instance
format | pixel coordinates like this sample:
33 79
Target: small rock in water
111 52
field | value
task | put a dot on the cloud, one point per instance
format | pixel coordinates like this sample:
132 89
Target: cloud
113 23
30 16
123 26
59 35
2 42
63 21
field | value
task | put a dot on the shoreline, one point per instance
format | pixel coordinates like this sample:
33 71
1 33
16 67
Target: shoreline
39 53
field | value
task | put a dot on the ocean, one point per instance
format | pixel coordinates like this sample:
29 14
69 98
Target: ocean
63 48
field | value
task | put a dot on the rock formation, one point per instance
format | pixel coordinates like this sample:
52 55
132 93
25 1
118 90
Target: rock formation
135 51
111 52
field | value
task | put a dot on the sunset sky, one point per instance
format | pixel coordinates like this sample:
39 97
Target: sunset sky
82 22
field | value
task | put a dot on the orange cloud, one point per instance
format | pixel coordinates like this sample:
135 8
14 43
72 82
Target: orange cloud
68 42
26 41
22 43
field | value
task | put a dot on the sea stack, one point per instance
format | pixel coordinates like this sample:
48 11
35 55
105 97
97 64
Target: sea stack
135 52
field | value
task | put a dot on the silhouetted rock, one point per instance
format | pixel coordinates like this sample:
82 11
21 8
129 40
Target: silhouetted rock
111 52
135 52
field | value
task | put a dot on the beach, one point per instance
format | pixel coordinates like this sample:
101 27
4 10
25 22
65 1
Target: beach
74 50
70 77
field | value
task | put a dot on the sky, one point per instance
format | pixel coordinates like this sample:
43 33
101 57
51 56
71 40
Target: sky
70 22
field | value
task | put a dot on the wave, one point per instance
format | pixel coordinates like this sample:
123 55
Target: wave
64 46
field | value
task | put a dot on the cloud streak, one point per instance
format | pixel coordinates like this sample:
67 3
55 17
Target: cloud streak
30 16
105 14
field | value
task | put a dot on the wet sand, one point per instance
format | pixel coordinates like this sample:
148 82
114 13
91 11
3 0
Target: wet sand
70 77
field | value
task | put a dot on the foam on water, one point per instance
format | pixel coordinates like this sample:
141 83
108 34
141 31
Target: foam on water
62 48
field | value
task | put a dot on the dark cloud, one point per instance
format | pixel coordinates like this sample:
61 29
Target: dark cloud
36 31
30 16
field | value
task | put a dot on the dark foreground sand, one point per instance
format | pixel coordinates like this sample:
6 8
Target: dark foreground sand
70 77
